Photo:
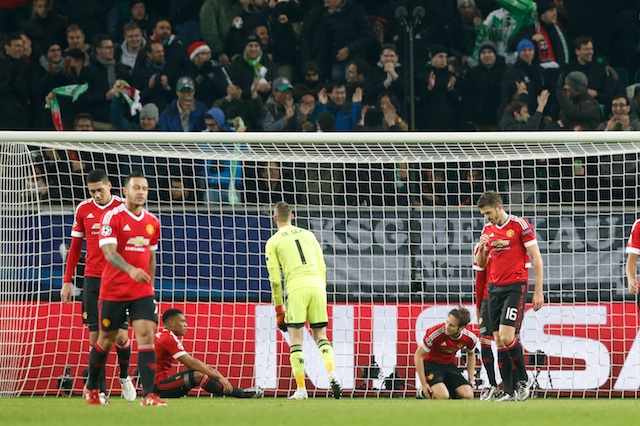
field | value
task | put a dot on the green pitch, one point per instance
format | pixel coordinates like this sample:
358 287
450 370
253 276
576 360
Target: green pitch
53 411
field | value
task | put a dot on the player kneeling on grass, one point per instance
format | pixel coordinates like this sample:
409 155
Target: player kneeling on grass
169 348
435 358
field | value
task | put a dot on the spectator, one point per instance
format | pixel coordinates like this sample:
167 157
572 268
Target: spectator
576 105
175 51
138 15
516 116
355 74
128 51
437 95
434 189
306 105
326 122
76 40
185 114
384 76
311 80
14 87
210 77
280 112
101 77
45 24
598 84
150 77
253 65
148 117
248 108
346 114
524 81
215 22
463 29
481 90
224 177
552 51
388 104
185 15
335 35
48 74
502 24
73 65
620 119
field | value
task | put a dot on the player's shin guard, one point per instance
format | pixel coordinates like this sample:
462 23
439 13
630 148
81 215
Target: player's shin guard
97 361
505 365
517 355
124 355
296 358
147 367
487 359
326 353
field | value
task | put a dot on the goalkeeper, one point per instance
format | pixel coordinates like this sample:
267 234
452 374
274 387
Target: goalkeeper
298 253
169 348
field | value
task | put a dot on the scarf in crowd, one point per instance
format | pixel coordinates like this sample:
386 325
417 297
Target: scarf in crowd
110 65
259 70
73 91
131 95
545 50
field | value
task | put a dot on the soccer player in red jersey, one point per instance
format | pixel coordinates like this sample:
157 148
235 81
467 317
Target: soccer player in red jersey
129 239
435 358
86 225
507 240
169 349
633 250
486 334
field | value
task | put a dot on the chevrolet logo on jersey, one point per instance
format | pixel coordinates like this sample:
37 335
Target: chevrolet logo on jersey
499 243
137 244
138 241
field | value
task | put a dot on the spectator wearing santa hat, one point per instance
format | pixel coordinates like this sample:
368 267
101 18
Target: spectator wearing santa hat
210 77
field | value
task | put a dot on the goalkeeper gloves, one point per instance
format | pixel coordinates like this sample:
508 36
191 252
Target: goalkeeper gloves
280 310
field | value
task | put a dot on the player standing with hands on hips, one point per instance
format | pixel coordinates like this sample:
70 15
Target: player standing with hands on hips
299 254
129 239
507 239
86 225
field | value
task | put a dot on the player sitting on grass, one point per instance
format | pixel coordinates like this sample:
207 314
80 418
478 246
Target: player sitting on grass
169 348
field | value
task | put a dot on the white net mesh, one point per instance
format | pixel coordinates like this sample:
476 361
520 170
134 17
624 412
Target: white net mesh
395 216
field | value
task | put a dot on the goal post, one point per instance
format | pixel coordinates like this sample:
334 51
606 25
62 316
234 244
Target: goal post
395 215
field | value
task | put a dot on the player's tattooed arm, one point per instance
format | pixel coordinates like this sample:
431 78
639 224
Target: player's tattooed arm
114 258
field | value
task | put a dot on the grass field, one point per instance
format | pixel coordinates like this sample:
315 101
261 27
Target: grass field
51 411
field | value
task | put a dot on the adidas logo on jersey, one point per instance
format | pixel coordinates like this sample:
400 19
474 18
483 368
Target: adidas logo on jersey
126 228
90 216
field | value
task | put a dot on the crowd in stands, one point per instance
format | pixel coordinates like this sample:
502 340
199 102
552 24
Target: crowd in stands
319 65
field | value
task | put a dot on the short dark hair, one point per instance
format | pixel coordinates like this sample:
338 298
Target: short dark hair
389 46
150 44
130 26
326 121
361 65
580 41
514 106
76 54
489 199
170 313
132 175
74 27
97 40
97 175
9 38
620 96
462 314
83 116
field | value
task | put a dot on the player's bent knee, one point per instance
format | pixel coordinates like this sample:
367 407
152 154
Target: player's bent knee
464 392
197 376
440 391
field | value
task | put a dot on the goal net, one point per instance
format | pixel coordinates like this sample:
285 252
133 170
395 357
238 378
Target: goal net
395 214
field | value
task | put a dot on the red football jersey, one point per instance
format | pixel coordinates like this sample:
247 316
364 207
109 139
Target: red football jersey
441 348
507 249
136 237
168 349
633 244
86 224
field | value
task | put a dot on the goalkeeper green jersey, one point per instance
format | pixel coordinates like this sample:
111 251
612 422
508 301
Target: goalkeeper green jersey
299 254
